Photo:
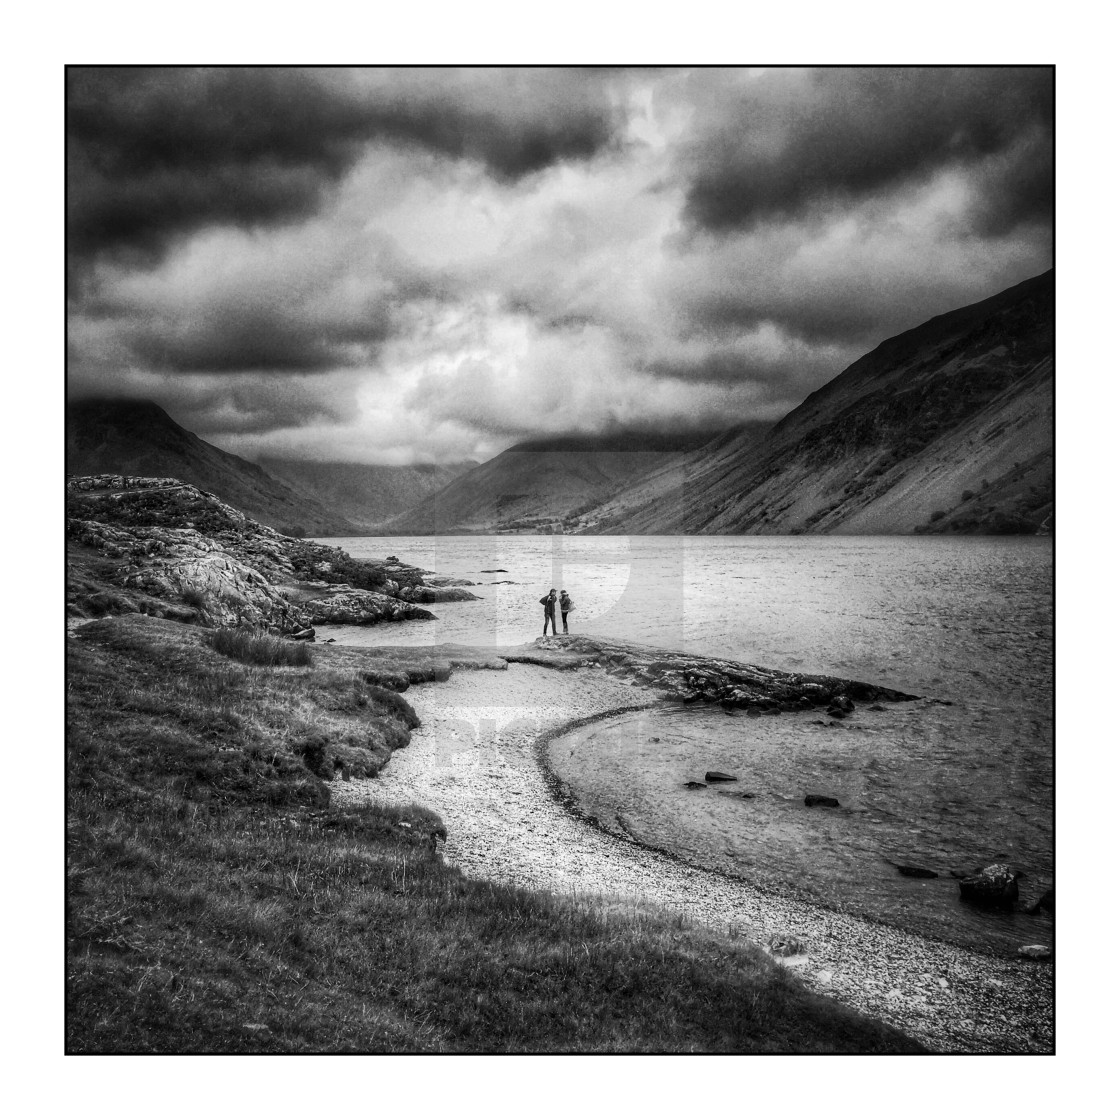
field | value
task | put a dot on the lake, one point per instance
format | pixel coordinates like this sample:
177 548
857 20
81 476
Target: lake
961 778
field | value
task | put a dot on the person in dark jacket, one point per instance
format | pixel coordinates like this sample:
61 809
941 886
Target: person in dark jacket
549 604
565 606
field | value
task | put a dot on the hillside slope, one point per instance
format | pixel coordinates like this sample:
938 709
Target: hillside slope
366 495
131 437
540 484
945 428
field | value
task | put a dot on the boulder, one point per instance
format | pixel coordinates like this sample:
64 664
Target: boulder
995 887
361 608
844 703
424 594
695 785
719 776
1035 952
824 802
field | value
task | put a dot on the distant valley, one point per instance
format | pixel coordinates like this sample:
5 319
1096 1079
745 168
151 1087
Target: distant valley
549 484
945 428
366 495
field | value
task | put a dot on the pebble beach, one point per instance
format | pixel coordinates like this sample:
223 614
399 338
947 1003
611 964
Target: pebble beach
476 762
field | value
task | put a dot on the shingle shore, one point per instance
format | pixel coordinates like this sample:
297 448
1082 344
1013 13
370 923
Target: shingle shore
472 761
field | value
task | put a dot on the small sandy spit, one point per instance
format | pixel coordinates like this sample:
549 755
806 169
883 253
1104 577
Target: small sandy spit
473 762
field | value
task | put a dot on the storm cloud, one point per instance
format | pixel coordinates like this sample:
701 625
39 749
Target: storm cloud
431 264
156 153
796 141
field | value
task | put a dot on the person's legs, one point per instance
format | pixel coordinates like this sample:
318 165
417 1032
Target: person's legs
545 625
564 619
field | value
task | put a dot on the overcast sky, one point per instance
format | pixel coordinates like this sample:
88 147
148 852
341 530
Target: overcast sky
431 265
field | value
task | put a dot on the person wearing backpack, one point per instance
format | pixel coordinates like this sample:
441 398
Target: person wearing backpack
549 604
566 605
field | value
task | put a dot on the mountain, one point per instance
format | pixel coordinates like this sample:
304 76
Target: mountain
540 484
948 427
367 496
134 437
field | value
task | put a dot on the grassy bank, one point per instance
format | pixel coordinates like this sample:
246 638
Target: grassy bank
218 902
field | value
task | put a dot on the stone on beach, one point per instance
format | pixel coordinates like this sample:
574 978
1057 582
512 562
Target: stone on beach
785 945
912 872
813 799
719 776
1035 952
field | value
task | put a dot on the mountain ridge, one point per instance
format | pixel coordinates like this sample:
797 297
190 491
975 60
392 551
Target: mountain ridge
125 436
946 427
545 483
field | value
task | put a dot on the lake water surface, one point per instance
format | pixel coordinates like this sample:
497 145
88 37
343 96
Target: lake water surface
947 786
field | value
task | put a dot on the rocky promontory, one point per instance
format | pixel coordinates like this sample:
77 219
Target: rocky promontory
160 547
690 677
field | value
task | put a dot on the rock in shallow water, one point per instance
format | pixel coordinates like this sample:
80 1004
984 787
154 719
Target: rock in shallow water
695 785
994 888
825 802
719 776
915 872
1035 952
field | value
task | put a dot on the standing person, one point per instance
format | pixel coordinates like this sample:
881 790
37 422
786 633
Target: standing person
549 604
566 605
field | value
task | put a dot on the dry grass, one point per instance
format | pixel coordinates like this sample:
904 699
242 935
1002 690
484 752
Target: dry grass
258 647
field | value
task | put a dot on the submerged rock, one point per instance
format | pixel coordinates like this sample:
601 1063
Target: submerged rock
1046 902
695 785
813 799
995 887
915 872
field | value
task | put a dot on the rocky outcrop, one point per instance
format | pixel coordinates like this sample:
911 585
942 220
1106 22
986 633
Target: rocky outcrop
361 608
181 566
994 888
691 678
158 546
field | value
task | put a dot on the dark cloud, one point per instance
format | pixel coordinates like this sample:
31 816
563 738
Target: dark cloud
259 339
154 153
779 376
792 141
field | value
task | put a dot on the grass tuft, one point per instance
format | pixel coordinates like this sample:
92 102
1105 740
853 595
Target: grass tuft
256 647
